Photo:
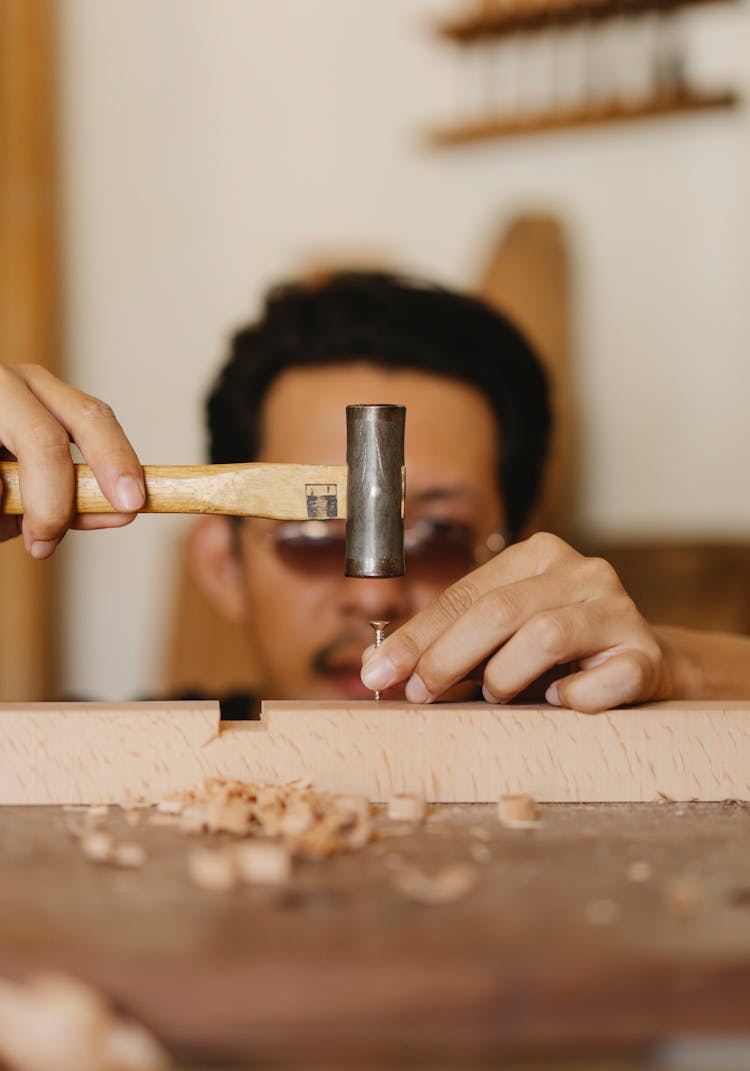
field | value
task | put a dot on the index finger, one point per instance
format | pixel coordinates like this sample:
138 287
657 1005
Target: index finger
395 659
45 467
94 428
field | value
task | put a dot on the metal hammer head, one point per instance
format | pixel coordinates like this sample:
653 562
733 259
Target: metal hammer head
375 490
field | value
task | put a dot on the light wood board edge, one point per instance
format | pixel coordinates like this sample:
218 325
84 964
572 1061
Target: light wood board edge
449 753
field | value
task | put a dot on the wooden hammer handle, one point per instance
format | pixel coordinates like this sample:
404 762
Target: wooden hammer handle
284 492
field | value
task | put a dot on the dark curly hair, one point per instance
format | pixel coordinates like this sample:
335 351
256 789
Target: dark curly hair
392 322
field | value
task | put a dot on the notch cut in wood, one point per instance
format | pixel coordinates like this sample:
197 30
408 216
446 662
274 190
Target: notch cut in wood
447 753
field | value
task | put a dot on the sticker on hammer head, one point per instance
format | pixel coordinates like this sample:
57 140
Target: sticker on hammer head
322 500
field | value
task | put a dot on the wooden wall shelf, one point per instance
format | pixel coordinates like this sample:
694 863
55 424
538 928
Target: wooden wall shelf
526 16
591 115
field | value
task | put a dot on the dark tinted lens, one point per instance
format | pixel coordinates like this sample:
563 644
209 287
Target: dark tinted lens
436 551
442 553
314 557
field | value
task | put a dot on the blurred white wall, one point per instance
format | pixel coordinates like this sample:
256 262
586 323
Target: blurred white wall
210 148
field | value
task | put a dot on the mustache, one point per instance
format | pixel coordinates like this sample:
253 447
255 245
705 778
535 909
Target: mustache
346 650
341 651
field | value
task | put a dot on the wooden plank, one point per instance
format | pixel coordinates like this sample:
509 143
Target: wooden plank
98 753
102 752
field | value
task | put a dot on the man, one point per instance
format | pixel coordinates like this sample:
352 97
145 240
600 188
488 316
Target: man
460 370
477 428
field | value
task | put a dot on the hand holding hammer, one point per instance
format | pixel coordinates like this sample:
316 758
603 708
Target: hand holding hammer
368 491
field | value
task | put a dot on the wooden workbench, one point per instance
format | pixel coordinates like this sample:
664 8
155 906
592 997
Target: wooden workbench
339 963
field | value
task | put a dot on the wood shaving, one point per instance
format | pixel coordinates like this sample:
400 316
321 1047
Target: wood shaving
212 868
56 1023
451 883
480 853
128 854
639 870
296 820
406 807
101 847
252 862
233 815
684 896
98 846
359 806
518 812
263 862
131 1048
191 820
313 825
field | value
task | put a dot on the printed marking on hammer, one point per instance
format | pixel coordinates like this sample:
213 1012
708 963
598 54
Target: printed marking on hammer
322 500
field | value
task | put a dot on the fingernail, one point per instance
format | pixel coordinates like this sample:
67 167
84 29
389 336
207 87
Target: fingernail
379 673
415 690
42 548
488 696
552 695
131 494
368 653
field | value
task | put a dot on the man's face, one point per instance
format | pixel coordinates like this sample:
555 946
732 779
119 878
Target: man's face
308 623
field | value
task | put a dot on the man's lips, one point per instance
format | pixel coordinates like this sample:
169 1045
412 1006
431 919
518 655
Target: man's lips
340 663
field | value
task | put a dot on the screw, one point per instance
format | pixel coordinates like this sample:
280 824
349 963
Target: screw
379 627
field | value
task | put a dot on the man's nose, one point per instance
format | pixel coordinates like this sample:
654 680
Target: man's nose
383 599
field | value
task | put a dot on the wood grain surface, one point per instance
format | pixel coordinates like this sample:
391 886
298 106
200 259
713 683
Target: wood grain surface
285 492
472 753
340 964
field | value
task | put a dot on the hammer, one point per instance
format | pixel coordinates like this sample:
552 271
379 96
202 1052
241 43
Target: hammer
368 491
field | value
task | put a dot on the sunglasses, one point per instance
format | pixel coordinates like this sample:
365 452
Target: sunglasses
434 550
